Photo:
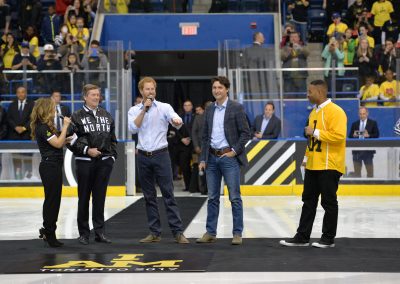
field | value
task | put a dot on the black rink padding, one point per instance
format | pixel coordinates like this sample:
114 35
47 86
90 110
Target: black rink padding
255 255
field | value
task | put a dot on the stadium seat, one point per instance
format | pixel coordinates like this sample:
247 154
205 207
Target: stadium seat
315 4
157 6
250 5
234 6
316 24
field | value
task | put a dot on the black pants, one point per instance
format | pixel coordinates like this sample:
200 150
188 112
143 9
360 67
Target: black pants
51 175
183 159
367 157
316 183
93 177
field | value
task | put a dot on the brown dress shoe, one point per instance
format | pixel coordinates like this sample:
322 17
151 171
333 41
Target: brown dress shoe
206 238
237 240
151 239
181 239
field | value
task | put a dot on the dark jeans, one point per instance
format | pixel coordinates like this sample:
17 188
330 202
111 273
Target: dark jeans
157 169
93 177
51 175
358 158
316 183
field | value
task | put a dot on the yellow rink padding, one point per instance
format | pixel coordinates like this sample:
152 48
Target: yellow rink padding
297 189
37 191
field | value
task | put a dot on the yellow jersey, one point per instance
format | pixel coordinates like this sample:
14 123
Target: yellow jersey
381 12
369 93
388 91
340 28
326 149
371 41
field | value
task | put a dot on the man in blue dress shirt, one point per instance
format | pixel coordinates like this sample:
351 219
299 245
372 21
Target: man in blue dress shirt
150 120
225 134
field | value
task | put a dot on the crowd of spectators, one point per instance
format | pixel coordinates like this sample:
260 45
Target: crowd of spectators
53 37
359 33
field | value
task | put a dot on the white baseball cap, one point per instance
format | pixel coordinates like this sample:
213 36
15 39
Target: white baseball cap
49 47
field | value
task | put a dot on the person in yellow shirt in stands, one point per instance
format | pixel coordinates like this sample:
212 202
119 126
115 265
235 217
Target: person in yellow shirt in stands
33 40
388 90
381 10
81 33
337 27
363 33
369 92
324 165
116 6
8 50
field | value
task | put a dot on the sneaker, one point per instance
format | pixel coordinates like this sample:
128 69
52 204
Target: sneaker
83 240
151 239
206 238
237 240
323 244
181 239
293 242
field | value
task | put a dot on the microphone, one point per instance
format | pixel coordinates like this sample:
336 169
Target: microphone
62 117
149 98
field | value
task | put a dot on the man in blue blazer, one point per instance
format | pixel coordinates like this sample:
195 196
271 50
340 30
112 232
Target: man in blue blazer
363 129
267 126
225 134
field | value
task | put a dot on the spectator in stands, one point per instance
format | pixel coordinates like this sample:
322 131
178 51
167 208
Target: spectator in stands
387 60
71 23
8 50
81 33
62 5
333 54
362 129
3 125
349 48
70 45
299 11
369 92
354 12
294 55
388 90
267 125
391 29
333 6
289 28
363 33
337 28
95 59
31 37
72 64
218 6
75 9
5 17
130 62
29 14
364 20
18 116
24 60
381 10
49 61
365 61
61 38
89 9
51 24
116 6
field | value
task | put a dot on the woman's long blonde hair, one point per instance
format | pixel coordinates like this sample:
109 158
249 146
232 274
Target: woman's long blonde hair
43 112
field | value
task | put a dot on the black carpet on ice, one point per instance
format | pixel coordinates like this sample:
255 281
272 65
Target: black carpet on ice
127 227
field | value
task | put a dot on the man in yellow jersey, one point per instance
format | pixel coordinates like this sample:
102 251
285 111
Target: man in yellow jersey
325 163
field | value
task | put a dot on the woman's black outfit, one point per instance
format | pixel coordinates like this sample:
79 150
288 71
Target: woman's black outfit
94 130
50 170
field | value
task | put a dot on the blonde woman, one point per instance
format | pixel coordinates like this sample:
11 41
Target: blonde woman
50 143
365 61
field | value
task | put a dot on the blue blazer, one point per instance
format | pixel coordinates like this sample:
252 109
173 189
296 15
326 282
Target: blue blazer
272 130
236 128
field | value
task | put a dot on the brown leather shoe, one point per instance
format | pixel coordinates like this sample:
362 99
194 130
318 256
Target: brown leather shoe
237 240
181 239
206 238
151 239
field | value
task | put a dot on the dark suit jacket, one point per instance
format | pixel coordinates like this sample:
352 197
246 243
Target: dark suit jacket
371 127
14 120
373 131
273 128
236 128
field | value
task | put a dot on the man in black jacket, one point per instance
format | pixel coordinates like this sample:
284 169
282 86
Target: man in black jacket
267 126
18 116
95 151
362 129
